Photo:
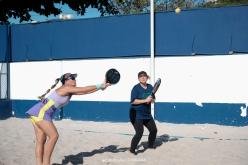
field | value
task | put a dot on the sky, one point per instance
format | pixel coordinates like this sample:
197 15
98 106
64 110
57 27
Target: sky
90 13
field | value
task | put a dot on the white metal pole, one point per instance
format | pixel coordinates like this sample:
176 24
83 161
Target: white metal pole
152 60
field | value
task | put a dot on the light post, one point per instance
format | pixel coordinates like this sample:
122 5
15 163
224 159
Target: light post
152 59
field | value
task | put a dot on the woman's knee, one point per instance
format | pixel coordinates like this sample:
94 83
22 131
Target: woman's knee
54 136
49 129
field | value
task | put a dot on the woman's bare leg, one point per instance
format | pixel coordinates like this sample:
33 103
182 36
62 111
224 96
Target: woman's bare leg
50 131
39 146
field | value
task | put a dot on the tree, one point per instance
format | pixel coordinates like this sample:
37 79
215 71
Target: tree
143 6
220 3
131 6
21 9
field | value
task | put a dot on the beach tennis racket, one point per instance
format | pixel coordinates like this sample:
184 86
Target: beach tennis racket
155 87
112 76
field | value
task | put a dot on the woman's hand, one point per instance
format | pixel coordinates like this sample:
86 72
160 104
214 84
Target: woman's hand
105 85
149 99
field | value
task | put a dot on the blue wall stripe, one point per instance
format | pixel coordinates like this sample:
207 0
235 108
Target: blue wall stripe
183 113
190 113
97 111
5 109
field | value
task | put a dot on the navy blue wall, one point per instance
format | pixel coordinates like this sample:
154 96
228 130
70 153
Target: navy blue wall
5 109
187 113
117 36
3 43
224 30
202 31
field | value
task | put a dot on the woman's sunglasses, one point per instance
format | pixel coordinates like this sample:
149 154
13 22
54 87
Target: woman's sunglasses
71 78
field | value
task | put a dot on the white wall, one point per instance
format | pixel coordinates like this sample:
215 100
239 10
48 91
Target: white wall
218 79
31 79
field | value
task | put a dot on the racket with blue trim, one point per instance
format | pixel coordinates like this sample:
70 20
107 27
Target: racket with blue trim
155 87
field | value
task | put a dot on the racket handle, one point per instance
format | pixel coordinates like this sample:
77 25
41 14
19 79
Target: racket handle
153 95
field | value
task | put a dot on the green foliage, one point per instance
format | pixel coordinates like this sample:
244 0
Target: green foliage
21 9
143 6
221 3
131 6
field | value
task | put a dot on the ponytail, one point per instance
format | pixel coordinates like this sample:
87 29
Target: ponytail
43 96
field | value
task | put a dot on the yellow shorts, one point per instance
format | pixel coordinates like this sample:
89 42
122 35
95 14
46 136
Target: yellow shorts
34 119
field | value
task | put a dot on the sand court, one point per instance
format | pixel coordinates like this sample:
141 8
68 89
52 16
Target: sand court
87 142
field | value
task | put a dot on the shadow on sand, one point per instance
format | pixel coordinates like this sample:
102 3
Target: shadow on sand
159 141
78 158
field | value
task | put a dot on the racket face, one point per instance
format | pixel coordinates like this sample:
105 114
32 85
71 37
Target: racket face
156 85
112 76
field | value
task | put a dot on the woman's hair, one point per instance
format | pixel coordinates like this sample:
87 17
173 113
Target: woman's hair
43 96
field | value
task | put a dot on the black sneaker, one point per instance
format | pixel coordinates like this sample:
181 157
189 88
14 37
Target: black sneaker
132 151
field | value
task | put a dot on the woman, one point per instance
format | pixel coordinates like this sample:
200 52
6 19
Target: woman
140 111
41 114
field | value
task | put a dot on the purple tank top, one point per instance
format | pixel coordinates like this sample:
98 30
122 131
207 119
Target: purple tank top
47 108
60 101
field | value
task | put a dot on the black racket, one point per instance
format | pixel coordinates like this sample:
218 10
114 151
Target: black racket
155 87
112 76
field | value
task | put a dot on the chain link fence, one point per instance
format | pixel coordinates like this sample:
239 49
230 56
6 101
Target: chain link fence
3 81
